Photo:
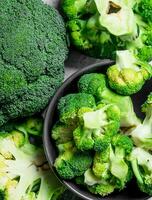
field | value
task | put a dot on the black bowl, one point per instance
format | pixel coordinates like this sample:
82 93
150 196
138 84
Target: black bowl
70 86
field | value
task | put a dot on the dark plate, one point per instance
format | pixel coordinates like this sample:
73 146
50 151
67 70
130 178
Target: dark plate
70 86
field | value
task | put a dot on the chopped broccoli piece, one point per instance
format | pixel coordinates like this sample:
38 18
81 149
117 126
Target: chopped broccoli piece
142 134
129 74
70 162
141 161
70 104
62 133
95 84
144 9
102 122
24 173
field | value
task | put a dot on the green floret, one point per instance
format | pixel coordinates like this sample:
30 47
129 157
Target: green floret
141 161
145 53
97 126
32 53
70 162
70 104
77 29
142 134
95 84
62 133
144 9
129 74
74 9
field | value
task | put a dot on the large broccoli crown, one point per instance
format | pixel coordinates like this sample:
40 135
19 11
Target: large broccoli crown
129 74
141 161
142 134
34 48
70 162
70 104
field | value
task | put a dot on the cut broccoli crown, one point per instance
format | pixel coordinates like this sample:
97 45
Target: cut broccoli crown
141 161
70 162
142 134
95 84
24 173
70 104
129 74
32 54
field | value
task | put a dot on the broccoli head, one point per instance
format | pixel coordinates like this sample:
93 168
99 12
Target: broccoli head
32 53
70 104
129 74
142 134
96 84
24 173
141 161
97 126
70 162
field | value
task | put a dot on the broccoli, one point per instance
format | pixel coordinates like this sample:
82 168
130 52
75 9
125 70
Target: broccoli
142 134
24 173
74 9
95 84
62 133
70 104
141 161
32 53
70 162
111 169
144 9
98 124
129 74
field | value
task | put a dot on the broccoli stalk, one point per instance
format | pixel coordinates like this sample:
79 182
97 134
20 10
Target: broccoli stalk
22 165
142 134
141 161
129 74
95 84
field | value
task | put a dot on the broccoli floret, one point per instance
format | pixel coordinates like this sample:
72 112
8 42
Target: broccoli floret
144 9
24 173
74 9
32 54
97 125
129 74
117 17
141 161
70 104
95 84
70 162
62 133
142 134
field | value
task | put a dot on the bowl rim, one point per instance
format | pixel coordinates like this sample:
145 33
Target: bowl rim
52 107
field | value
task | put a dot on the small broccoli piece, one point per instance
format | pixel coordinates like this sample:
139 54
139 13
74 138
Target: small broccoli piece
24 173
97 126
145 53
95 84
144 9
74 9
142 134
141 161
70 162
129 74
117 17
70 104
62 133
121 147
